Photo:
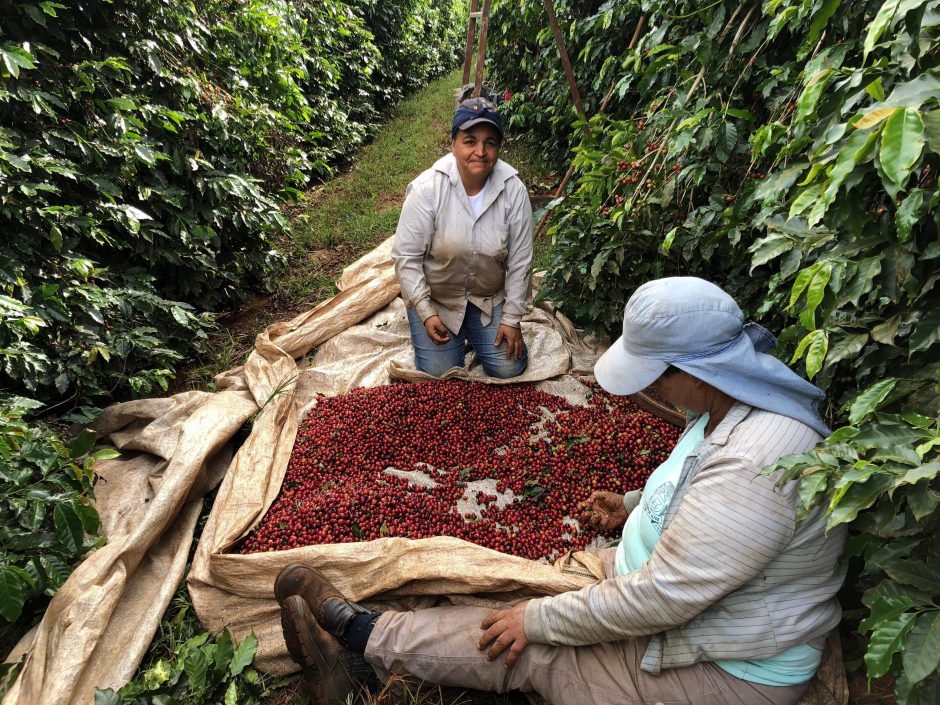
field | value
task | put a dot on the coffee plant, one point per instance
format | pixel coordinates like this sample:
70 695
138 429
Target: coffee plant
47 520
145 148
787 150
205 668
501 466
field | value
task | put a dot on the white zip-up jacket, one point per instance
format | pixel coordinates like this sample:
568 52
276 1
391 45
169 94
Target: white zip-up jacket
445 256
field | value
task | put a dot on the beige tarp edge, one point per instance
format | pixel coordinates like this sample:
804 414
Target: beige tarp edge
101 622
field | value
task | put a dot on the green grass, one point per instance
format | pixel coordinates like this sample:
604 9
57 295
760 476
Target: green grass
348 216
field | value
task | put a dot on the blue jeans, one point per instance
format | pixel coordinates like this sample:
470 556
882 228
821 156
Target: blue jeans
437 359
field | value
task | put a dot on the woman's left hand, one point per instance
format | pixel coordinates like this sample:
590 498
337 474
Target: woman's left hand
505 629
513 338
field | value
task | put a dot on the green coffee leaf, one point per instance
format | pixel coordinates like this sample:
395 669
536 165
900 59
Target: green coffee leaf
769 248
845 347
68 527
922 500
802 281
932 130
846 504
808 99
927 471
816 353
902 142
244 654
820 20
107 697
815 292
811 486
926 333
908 214
805 200
885 605
196 665
224 651
852 152
914 573
83 443
922 653
14 58
231 693
122 103
887 639
868 400
914 93
885 17
11 595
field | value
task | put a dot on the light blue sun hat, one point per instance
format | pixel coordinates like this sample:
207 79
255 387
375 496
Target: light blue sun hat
696 326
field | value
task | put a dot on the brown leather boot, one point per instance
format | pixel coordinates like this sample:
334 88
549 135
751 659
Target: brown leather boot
331 673
332 611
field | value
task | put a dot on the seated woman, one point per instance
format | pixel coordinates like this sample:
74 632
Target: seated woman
715 594
462 251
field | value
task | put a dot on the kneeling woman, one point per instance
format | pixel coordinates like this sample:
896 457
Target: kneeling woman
462 251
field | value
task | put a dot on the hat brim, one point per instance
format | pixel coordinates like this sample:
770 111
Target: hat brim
619 372
478 121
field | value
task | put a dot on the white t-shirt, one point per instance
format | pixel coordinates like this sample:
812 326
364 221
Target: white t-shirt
476 202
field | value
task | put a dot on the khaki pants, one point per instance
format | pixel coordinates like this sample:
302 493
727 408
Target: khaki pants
439 645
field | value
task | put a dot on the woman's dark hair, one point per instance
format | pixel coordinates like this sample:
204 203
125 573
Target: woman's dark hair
671 370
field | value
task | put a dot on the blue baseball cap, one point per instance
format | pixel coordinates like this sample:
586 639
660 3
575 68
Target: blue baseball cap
474 111
699 328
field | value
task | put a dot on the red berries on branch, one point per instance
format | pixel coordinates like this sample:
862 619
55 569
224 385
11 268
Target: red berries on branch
501 466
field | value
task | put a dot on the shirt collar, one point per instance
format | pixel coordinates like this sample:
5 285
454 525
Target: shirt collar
502 172
719 437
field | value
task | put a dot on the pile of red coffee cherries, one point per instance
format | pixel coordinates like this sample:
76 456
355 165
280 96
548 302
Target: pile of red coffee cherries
503 466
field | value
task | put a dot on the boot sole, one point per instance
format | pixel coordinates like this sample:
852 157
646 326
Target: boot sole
316 659
294 613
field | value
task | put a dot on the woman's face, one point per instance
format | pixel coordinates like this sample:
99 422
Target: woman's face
476 151
681 390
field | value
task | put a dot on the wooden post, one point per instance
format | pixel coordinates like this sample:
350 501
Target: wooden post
564 182
565 61
471 35
481 53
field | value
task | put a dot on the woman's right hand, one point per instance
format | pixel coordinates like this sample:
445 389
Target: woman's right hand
602 509
436 330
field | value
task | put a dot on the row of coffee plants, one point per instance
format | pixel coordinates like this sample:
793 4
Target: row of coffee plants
788 150
502 466
145 151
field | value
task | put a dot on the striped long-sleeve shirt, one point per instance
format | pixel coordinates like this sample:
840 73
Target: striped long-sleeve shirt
733 575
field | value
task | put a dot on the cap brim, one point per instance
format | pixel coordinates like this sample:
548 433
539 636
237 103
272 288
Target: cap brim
478 121
619 372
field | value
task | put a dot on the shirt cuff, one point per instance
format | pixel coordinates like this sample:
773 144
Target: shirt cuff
425 309
510 320
532 623
631 499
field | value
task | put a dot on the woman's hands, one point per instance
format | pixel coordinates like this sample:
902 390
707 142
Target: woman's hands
603 509
504 629
436 330
513 338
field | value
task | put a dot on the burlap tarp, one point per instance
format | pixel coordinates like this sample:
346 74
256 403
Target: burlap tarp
101 622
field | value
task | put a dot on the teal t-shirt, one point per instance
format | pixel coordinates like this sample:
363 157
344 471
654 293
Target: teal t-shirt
641 533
